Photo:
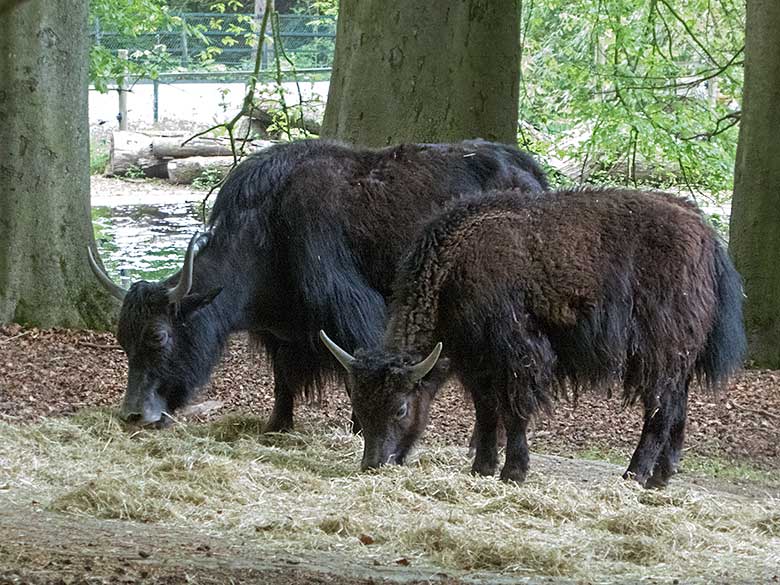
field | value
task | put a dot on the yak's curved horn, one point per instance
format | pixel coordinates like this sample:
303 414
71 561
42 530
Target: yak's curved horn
112 287
421 370
344 358
182 288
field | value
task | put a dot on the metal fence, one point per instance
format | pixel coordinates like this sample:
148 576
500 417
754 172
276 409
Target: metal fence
225 41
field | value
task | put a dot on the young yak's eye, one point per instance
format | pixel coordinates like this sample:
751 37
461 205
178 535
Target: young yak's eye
402 411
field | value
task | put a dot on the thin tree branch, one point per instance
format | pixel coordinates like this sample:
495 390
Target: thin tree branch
247 107
248 103
733 119
690 32
694 82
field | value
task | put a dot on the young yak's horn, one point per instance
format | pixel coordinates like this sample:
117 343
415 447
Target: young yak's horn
421 370
344 358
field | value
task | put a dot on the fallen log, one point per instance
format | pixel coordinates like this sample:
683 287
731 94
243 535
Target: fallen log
262 125
133 151
173 147
150 154
185 170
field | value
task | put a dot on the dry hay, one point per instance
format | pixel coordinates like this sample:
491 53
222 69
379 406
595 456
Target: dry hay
302 491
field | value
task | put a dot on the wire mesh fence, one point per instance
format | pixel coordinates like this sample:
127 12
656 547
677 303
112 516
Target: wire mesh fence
213 42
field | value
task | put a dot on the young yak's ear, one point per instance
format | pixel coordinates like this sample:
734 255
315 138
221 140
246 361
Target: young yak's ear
440 371
192 303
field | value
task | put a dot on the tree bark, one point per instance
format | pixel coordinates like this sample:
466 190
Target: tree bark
411 71
755 219
45 224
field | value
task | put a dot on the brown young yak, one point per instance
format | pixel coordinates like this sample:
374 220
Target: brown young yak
531 295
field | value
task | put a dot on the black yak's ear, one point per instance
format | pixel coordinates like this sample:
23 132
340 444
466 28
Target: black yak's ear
192 303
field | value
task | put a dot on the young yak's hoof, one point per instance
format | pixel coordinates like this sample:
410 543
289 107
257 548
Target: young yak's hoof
512 474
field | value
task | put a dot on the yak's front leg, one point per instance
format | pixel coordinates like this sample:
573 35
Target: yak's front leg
500 434
288 382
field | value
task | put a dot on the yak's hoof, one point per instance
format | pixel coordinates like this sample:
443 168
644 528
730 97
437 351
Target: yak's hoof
484 468
355 426
276 425
660 478
656 482
512 474
640 478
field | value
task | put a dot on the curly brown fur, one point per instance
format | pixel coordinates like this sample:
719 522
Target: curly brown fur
583 288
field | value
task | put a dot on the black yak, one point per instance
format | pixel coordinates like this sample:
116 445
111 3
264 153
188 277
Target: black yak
538 294
302 236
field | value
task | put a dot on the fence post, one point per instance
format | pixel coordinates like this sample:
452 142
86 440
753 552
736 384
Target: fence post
259 12
98 34
185 53
122 116
156 101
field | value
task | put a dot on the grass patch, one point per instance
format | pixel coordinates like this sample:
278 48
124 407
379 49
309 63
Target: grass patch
729 470
714 467
302 491
98 157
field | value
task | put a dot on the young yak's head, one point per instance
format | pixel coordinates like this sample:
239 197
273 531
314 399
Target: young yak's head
391 395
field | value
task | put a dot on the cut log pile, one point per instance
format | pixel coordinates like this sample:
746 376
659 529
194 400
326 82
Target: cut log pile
165 156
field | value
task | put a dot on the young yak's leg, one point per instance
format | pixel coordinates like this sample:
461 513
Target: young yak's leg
516 465
484 438
667 463
500 434
655 435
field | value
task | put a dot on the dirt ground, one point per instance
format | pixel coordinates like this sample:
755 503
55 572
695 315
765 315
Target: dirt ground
57 372
45 548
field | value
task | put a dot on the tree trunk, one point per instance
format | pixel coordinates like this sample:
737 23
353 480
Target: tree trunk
411 71
755 219
45 224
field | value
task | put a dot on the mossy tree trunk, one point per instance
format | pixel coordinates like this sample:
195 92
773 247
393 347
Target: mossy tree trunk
755 218
45 222
411 71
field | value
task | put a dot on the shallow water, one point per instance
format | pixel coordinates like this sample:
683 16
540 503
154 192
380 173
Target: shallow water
144 240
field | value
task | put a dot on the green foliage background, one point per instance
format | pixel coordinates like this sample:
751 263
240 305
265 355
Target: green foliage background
618 81
612 90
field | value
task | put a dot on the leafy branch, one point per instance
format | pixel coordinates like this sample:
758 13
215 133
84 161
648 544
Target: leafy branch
247 109
731 119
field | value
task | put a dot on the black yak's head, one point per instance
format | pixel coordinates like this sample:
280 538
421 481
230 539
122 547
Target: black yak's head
391 395
161 330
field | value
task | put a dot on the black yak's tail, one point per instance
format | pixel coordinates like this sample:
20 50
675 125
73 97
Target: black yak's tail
726 345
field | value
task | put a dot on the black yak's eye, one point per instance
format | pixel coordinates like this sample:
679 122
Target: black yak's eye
162 338
402 411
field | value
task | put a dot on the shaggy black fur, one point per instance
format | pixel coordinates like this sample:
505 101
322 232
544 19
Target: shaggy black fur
305 236
533 294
